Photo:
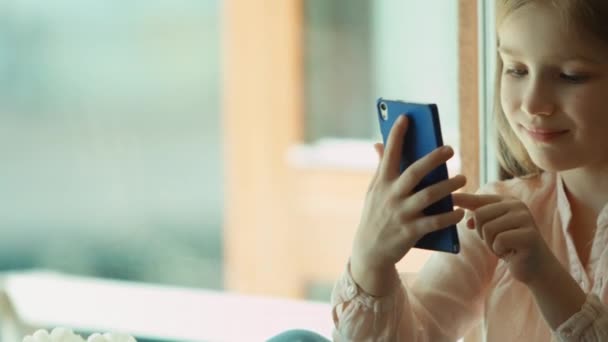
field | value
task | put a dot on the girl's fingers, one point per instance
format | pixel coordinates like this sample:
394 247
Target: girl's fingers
492 228
391 159
488 213
425 197
427 224
379 147
474 201
422 167
510 242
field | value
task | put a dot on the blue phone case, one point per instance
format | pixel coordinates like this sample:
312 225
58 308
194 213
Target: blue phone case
422 137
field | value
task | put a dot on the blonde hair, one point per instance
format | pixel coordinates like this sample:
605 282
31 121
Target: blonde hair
585 17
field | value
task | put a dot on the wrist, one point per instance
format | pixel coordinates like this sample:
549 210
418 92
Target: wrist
556 293
551 277
375 281
549 270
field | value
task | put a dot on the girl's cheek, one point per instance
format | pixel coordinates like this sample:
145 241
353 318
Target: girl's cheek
508 98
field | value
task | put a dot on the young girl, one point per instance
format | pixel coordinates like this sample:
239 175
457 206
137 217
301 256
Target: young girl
533 264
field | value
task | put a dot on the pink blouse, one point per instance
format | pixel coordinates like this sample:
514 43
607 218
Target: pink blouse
454 293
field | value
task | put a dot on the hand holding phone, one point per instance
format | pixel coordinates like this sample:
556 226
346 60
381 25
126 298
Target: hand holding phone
408 203
423 136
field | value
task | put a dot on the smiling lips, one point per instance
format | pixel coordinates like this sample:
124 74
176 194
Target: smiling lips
544 135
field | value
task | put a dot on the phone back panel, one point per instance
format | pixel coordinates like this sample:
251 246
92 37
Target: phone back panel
422 137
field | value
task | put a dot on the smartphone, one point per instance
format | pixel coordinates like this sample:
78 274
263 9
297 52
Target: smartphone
422 137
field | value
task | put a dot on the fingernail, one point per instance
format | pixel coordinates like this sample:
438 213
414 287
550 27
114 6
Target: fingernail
471 223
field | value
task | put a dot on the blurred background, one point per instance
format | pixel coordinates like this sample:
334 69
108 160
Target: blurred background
110 139
223 145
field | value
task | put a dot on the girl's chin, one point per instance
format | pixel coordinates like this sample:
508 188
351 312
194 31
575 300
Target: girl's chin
552 164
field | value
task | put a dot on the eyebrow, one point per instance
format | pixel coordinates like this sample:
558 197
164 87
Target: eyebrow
505 50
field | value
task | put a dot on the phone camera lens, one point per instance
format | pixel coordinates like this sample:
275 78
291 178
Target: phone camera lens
383 111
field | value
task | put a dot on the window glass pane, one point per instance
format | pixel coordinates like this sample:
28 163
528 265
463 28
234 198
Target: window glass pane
109 137
338 68
358 50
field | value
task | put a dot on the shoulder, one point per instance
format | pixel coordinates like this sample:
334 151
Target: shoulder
525 188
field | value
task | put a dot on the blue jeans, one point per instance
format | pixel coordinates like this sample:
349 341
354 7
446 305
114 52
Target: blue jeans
298 336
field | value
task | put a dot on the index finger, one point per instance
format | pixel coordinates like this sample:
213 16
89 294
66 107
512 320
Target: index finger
391 160
474 201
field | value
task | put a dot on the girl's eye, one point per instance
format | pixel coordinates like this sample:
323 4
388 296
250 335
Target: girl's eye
574 78
516 72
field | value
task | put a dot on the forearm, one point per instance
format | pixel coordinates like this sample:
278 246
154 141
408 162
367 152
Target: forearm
557 294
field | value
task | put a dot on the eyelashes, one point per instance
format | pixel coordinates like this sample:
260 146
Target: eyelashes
516 72
575 78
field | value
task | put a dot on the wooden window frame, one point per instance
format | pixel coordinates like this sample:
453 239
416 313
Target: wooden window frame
284 226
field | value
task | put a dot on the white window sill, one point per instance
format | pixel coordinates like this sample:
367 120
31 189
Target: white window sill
345 154
341 154
48 299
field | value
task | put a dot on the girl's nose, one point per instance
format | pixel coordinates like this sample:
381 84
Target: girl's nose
538 98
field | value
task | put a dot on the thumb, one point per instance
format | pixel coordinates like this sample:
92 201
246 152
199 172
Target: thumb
473 201
379 147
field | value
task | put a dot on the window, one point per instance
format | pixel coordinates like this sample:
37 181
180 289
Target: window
299 148
357 51
338 66
109 112
489 166
154 140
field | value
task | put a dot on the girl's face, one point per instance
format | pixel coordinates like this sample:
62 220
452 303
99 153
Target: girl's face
554 89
